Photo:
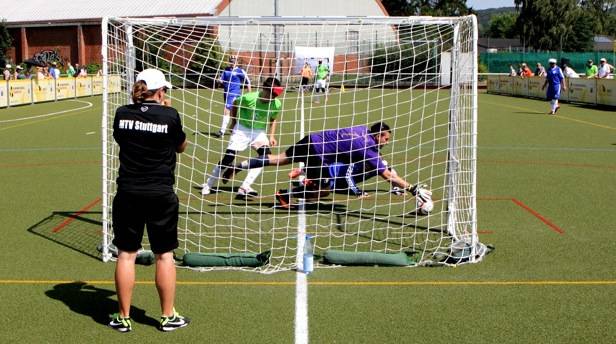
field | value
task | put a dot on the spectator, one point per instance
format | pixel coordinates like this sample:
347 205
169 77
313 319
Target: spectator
591 70
19 73
604 69
512 71
540 71
40 73
526 72
70 70
569 72
54 72
82 72
7 72
77 69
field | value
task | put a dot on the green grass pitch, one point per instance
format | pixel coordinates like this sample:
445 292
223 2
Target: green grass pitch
545 200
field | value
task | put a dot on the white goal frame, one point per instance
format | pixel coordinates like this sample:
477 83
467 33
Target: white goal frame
461 221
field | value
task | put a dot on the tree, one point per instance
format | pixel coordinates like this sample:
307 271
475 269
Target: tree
5 39
427 7
603 14
503 26
551 25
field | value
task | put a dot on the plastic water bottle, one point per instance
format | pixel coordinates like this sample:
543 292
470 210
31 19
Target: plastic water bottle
308 255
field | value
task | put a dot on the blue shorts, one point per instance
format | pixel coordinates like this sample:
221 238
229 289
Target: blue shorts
230 98
553 92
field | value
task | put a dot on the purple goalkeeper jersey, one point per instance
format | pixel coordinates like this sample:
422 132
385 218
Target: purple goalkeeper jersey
347 145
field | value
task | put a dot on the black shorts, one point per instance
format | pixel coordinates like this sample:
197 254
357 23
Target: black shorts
132 211
305 81
316 171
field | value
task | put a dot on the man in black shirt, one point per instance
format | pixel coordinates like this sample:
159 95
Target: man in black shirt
149 133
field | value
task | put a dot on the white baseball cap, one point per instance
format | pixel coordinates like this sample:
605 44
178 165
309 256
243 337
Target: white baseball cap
603 59
153 78
552 61
8 66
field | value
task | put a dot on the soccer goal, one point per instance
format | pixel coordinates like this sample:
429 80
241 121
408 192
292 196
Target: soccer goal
416 74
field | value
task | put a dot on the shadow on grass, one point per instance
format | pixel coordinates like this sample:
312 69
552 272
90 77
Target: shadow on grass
94 302
81 233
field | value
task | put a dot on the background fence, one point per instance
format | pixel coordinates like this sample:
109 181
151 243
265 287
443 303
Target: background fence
499 62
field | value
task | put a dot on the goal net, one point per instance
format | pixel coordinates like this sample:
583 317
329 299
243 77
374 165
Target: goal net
416 74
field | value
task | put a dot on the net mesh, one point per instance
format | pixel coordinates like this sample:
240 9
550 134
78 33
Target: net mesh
418 75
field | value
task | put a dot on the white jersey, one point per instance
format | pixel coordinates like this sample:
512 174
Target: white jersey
604 71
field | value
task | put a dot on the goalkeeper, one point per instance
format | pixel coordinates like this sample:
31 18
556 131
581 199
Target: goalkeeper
250 115
318 151
233 78
345 180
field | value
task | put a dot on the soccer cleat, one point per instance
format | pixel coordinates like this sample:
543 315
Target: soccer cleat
282 196
172 323
246 192
228 174
205 189
556 110
120 324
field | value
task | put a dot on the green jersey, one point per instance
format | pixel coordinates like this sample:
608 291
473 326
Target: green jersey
322 71
254 113
592 70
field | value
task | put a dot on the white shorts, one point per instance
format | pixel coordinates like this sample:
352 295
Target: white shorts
322 83
243 137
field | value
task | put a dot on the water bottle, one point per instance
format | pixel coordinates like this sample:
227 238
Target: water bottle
308 255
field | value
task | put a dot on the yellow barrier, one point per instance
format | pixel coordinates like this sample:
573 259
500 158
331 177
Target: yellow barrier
534 87
65 88
20 92
606 92
4 91
583 91
520 87
97 85
579 90
44 90
83 87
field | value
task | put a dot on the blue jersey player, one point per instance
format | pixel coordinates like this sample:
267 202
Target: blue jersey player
233 78
554 80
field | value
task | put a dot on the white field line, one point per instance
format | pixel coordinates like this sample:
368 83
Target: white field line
89 105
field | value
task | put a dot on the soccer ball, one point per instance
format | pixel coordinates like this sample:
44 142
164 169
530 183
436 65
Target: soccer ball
424 207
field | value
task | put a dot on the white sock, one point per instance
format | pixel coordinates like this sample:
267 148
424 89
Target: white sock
226 119
553 104
251 177
214 176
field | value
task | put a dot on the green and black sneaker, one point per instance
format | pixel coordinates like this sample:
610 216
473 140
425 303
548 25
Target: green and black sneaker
173 322
120 324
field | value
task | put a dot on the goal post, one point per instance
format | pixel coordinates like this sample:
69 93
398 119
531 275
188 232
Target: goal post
416 74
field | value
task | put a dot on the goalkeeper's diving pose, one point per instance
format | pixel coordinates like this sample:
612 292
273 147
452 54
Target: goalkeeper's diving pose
321 150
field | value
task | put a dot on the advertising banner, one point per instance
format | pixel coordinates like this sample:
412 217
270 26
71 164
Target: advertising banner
115 84
65 88
44 90
583 90
505 84
20 92
83 87
606 92
97 85
534 87
493 84
4 94
520 87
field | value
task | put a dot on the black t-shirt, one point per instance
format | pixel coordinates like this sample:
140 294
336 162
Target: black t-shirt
148 135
